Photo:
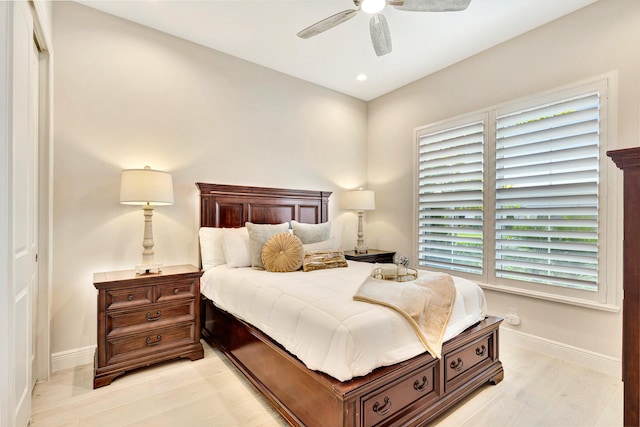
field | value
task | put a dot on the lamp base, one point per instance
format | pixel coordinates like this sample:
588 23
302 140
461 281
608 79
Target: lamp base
148 268
361 249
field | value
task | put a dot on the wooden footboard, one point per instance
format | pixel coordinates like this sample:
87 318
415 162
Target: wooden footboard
409 393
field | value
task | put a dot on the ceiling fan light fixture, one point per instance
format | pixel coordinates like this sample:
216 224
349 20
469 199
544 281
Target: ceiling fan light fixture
378 27
373 6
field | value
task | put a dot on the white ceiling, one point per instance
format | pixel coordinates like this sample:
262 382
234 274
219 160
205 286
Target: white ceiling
264 32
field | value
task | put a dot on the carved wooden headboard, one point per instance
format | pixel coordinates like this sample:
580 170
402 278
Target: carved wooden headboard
231 205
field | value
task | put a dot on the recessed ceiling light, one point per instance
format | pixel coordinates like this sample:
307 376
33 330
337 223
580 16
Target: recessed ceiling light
361 77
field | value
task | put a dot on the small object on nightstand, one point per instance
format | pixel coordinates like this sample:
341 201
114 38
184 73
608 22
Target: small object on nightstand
399 275
372 256
146 319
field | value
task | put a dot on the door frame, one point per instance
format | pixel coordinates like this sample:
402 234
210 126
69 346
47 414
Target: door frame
45 194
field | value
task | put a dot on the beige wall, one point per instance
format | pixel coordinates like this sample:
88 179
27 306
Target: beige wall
127 96
602 38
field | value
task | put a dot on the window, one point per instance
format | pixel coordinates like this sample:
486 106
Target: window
451 216
546 191
512 196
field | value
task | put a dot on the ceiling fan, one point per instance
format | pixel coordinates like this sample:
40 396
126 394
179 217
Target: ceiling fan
378 27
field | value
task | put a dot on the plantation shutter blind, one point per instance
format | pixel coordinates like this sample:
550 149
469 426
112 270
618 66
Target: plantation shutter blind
450 198
547 168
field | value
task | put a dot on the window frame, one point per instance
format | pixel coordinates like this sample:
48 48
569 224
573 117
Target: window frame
607 297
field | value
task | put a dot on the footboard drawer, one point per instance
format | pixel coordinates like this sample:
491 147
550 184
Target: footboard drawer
461 361
381 405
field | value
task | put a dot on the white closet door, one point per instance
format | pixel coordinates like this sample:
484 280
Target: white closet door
22 212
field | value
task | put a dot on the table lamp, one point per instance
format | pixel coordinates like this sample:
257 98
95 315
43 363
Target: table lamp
360 201
148 188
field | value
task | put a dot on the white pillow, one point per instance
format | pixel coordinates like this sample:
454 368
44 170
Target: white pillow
235 242
311 233
320 246
211 251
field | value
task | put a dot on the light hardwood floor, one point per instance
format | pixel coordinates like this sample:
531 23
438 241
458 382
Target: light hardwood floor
537 391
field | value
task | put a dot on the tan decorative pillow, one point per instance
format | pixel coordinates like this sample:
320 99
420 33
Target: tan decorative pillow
283 252
319 260
258 236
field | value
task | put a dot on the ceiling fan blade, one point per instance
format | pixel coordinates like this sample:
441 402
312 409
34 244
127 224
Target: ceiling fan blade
327 23
380 35
433 5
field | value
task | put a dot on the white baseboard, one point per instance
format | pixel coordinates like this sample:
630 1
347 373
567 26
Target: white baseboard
589 359
72 358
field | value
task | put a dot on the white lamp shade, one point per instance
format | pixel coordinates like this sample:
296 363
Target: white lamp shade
142 186
373 6
360 200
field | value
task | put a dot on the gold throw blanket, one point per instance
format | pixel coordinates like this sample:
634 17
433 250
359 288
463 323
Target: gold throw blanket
426 303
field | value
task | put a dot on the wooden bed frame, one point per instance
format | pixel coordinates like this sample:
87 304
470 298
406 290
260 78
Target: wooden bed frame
412 392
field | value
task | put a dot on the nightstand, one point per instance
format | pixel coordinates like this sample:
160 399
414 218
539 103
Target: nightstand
145 319
373 256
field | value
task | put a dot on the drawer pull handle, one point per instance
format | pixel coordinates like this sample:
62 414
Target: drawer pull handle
130 297
384 408
175 291
420 387
156 342
480 351
457 364
153 319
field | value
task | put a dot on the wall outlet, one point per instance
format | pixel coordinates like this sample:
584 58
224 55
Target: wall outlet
512 319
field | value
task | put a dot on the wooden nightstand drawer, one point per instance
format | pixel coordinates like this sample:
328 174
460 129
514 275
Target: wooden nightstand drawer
177 290
383 404
139 345
126 298
154 316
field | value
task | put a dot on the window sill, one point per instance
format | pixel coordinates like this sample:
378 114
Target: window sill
612 308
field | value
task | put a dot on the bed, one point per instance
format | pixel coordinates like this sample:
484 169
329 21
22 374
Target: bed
410 392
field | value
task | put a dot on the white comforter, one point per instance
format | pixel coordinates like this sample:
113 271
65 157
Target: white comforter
314 317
